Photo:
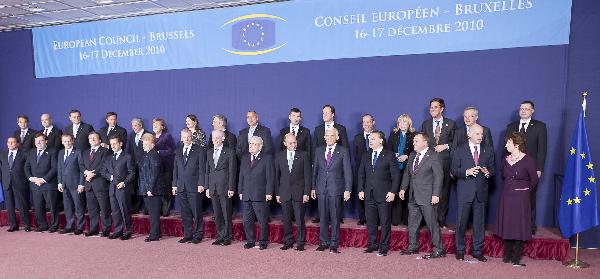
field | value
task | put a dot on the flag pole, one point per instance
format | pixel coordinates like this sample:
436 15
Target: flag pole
576 263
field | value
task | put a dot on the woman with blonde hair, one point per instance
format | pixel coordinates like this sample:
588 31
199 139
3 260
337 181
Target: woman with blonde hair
401 143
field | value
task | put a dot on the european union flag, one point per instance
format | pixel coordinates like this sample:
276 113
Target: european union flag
578 210
253 34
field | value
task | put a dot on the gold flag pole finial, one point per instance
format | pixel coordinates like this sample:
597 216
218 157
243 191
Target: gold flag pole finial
584 104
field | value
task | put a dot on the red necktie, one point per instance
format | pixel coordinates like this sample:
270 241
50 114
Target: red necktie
416 164
522 130
476 156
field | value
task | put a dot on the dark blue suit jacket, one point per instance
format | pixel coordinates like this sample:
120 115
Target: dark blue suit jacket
256 182
381 179
294 185
261 131
467 188
96 164
14 177
335 179
188 175
151 174
70 171
121 170
44 168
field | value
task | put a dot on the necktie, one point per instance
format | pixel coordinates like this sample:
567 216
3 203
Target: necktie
137 139
109 130
476 156
185 155
367 141
46 132
75 129
92 151
329 157
11 159
416 164
522 130
216 156
252 161
116 155
294 131
290 161
374 161
23 135
66 155
39 154
438 131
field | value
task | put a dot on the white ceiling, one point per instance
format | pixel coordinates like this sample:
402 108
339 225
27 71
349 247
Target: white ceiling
26 14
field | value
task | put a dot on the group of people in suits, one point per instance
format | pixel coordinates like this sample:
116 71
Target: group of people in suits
419 167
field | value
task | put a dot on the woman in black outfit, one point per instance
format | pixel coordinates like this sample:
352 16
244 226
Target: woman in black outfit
401 143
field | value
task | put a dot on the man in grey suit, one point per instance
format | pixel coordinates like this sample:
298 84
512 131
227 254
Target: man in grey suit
70 183
255 188
423 180
473 167
332 178
221 172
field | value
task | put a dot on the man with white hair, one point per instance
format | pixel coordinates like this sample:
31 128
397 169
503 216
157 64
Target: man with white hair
136 150
470 117
255 188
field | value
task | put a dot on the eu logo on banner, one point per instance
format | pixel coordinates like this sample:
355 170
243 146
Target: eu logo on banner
254 34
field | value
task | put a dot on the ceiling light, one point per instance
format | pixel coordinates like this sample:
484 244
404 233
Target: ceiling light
35 9
104 1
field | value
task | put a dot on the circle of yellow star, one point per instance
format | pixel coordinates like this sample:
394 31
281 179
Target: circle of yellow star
582 155
569 202
577 200
592 179
572 151
586 191
590 166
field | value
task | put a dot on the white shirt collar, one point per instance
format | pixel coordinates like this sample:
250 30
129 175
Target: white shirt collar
526 121
330 124
378 150
187 146
423 151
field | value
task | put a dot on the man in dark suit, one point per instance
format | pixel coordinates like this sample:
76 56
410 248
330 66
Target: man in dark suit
473 167
301 133
423 179
54 134
293 179
79 130
332 179
112 129
219 122
379 179
70 183
96 187
15 184
189 169
24 134
120 172
441 134
40 169
360 146
255 188
470 116
319 141
136 151
536 139
221 173
254 129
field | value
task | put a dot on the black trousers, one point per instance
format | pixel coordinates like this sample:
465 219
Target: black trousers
378 213
154 204
120 206
17 199
516 254
222 208
295 209
167 197
41 199
73 205
256 210
442 206
98 205
533 201
462 222
191 209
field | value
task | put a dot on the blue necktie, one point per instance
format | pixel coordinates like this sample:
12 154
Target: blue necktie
39 154
11 159
374 159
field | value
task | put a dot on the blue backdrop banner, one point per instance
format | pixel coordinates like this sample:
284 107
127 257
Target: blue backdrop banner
296 31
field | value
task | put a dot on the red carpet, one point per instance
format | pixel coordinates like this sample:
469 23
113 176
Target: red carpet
546 245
